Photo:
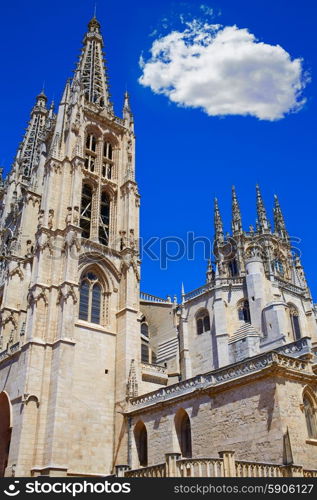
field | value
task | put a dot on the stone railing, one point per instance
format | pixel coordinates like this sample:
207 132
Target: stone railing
234 280
154 373
254 469
297 348
198 291
289 287
310 473
209 286
9 351
119 120
152 298
154 471
223 466
200 467
220 376
155 368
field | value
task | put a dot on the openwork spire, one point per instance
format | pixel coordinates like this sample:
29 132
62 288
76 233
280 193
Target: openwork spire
91 70
219 236
279 223
262 221
29 152
236 214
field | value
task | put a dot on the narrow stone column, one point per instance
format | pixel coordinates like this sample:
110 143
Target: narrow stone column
171 465
121 470
229 464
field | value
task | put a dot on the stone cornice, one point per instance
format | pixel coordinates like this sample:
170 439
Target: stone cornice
270 363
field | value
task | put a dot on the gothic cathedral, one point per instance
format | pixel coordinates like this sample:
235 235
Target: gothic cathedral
98 378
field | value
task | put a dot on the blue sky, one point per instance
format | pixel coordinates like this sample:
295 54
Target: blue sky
184 157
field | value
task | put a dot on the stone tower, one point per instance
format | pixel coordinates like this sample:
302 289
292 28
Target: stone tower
69 283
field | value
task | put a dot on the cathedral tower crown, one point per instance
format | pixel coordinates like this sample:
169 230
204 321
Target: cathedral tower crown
91 71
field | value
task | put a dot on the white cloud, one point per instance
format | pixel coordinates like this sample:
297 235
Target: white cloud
209 11
224 71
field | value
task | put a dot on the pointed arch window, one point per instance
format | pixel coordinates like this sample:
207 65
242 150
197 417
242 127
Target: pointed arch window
202 322
141 441
90 304
294 318
147 353
85 210
309 409
233 268
278 267
144 329
244 311
183 430
104 219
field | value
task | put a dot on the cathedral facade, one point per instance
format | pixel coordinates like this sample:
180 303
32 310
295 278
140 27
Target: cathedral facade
97 377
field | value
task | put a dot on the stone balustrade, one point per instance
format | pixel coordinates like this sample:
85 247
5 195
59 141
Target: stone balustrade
154 373
297 348
209 286
154 471
9 351
254 469
198 291
152 298
200 467
223 466
289 287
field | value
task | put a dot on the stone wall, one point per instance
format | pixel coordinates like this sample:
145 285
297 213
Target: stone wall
250 419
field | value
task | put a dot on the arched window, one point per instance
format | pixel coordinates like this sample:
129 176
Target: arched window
5 431
90 154
107 150
85 210
104 219
91 142
233 268
244 311
145 352
202 322
278 267
90 303
183 431
294 318
310 416
144 329
140 436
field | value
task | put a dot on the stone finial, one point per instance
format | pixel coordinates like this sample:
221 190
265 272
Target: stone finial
279 222
236 214
263 224
219 236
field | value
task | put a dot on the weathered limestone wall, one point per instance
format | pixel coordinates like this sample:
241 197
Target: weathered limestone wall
249 419
91 419
290 397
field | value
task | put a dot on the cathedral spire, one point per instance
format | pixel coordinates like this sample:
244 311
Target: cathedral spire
28 155
236 214
262 221
91 70
279 223
219 236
